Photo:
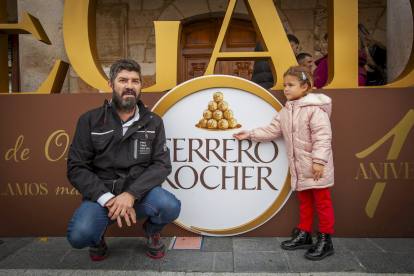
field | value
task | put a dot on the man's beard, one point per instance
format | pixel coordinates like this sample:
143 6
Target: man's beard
125 105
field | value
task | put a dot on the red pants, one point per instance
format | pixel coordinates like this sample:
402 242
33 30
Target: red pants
321 198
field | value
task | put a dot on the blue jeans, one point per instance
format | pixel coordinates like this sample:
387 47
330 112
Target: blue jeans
91 219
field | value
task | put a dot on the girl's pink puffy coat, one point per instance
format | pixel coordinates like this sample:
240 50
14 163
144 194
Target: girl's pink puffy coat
305 126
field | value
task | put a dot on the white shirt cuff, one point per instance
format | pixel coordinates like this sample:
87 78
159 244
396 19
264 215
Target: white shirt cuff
104 198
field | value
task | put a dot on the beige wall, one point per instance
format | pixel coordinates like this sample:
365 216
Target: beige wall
306 19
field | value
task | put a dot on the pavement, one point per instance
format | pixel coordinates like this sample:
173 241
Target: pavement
218 256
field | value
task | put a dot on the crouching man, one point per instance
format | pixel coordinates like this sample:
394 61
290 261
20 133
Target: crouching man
117 161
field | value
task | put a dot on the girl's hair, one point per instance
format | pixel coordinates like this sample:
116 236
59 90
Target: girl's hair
300 72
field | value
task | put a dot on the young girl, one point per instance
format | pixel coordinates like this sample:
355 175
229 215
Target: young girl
304 124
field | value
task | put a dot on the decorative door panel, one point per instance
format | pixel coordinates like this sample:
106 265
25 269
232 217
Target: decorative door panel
198 39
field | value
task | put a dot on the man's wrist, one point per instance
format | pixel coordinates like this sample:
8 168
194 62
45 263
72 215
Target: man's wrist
105 198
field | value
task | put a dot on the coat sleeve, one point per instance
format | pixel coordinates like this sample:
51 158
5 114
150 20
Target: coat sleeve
159 169
267 133
80 171
321 135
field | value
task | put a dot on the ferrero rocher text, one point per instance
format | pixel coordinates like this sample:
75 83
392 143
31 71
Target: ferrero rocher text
218 116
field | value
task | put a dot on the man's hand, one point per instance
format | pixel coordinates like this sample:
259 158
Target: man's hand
317 169
121 207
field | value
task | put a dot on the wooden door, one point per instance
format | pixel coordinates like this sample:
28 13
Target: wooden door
197 43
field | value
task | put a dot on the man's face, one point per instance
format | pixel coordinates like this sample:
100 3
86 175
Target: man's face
295 47
126 90
307 62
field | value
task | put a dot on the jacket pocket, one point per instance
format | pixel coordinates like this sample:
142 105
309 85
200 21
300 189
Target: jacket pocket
305 164
101 140
140 148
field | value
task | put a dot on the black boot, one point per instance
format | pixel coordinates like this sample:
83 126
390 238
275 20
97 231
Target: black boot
300 240
322 248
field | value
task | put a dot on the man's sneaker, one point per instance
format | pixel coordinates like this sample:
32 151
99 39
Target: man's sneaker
155 244
99 252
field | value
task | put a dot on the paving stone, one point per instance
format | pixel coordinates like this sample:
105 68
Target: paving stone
150 273
51 272
11 272
378 262
140 260
223 261
395 245
79 259
256 244
242 274
339 262
51 243
338 274
95 272
34 259
260 262
403 259
11 245
217 244
359 244
188 260
125 244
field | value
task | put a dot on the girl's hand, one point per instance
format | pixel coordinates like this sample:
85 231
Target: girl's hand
317 169
242 135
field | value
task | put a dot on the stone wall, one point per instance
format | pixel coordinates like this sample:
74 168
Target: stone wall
306 19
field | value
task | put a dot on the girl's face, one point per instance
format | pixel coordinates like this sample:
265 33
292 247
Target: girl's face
293 90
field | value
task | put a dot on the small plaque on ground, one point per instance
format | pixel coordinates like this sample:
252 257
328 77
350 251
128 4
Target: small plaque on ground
187 243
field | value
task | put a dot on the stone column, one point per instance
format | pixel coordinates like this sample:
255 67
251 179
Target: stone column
399 36
36 58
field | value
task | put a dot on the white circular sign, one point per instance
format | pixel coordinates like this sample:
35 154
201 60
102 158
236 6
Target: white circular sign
226 186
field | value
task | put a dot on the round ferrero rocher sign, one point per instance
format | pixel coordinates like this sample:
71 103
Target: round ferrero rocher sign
226 187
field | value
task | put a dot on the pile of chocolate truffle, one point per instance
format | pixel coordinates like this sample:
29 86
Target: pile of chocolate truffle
218 115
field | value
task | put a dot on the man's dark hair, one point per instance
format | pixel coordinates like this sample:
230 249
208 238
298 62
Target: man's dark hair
124 64
302 56
293 38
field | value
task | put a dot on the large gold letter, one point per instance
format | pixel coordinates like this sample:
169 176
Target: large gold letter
29 25
343 44
406 78
166 43
268 25
79 33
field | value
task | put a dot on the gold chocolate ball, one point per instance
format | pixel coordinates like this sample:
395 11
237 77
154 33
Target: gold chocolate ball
223 106
207 114
218 115
212 123
228 114
203 123
218 96
223 124
212 106
233 123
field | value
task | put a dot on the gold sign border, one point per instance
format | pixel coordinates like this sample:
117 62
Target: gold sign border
208 82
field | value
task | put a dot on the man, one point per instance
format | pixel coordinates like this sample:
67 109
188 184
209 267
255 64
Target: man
117 161
294 43
305 59
262 74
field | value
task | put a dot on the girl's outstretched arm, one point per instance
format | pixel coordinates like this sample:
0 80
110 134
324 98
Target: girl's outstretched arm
242 135
267 133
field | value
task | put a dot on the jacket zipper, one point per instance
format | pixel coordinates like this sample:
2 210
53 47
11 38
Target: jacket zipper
113 186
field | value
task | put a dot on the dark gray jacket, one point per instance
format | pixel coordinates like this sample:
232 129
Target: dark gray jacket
101 160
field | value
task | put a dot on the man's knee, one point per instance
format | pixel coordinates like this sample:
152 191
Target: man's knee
78 237
81 235
168 205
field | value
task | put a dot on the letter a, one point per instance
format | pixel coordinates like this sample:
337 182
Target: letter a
269 27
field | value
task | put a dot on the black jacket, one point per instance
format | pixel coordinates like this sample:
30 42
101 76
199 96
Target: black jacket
262 73
101 160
